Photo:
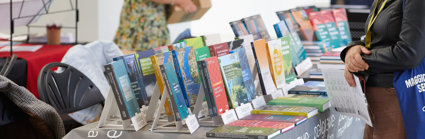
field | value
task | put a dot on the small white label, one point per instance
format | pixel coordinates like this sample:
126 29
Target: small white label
304 66
138 121
243 110
277 93
229 116
258 102
192 123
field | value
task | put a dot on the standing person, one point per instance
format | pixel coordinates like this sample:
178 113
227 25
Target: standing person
395 41
143 23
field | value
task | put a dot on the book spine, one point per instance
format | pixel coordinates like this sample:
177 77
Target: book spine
109 73
211 90
307 93
170 93
160 83
180 77
263 88
205 86
225 135
278 113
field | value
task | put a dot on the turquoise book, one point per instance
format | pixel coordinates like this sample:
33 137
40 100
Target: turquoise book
287 60
329 21
232 75
180 76
125 89
175 90
341 21
246 74
319 27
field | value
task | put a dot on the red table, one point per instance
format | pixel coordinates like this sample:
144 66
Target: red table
37 60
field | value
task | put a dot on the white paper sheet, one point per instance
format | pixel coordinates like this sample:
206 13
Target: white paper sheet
21 48
345 99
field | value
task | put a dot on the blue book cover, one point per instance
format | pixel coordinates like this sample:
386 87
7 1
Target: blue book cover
246 74
176 89
135 78
232 75
124 85
180 76
146 69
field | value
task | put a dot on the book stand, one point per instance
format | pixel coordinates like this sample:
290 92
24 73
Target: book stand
304 66
205 120
160 126
153 105
111 117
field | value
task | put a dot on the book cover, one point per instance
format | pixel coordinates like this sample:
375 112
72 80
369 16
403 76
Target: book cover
190 71
276 62
180 75
147 71
209 87
276 118
329 21
232 75
248 39
246 74
264 124
304 23
262 60
203 72
178 45
290 21
156 61
196 42
135 78
202 53
319 26
321 103
112 80
160 49
341 20
235 44
174 89
287 60
310 88
218 50
125 90
287 110
239 29
297 50
243 132
255 26
217 84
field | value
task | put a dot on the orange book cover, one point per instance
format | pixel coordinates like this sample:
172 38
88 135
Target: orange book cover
156 61
263 65
305 26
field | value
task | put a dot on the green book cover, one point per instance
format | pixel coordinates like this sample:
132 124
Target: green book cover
202 53
319 102
287 60
243 132
286 110
196 42
232 75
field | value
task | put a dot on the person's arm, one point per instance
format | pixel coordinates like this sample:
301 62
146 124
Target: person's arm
187 5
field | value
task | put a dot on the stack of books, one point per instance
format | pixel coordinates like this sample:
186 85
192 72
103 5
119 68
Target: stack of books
315 49
331 60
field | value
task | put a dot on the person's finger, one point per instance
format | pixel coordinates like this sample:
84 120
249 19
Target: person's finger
349 78
365 50
352 67
360 63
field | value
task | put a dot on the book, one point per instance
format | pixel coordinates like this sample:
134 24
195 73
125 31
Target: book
287 60
156 61
341 21
283 126
243 132
219 49
117 76
309 88
320 30
203 72
160 49
276 62
187 61
135 78
235 44
298 53
262 60
215 81
202 53
144 63
239 28
178 45
178 66
196 42
246 74
321 103
329 21
287 110
291 23
303 21
248 39
276 118
232 75
178 101
256 27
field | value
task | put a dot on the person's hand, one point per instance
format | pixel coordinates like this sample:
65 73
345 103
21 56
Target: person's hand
354 61
349 77
187 5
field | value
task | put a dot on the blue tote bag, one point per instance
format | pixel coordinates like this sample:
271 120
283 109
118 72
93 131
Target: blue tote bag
410 88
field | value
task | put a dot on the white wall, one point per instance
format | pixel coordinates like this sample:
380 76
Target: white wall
109 16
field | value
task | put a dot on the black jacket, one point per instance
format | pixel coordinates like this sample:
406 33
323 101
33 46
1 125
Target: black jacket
398 41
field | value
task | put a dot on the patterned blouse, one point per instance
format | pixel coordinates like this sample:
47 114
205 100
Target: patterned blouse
143 26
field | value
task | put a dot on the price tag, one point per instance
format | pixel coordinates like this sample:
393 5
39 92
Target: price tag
243 110
192 123
277 93
258 102
229 116
138 121
304 66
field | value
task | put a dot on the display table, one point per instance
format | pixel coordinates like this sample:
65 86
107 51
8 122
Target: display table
36 61
329 124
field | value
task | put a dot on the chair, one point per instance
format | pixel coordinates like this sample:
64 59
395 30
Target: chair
67 89
10 61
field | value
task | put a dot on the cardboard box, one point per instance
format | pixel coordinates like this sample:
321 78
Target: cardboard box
175 14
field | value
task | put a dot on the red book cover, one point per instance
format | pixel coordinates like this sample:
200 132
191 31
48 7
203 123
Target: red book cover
305 26
218 50
327 16
217 85
265 124
315 19
340 15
